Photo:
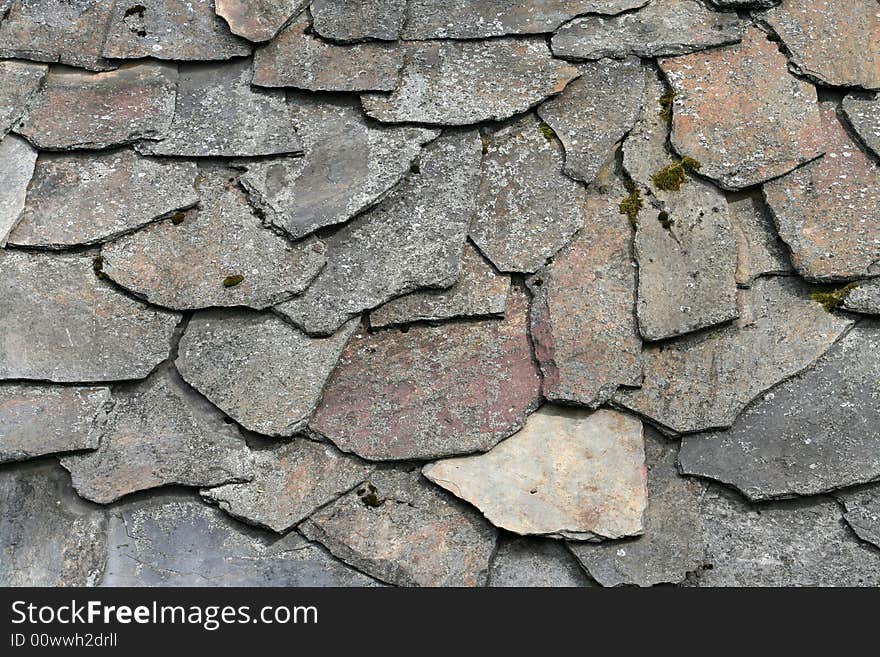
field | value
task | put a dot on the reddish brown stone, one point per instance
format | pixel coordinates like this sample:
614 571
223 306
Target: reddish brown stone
257 20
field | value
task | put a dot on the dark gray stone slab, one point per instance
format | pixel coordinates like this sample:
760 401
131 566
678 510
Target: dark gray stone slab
862 512
535 562
258 20
17 160
863 114
19 82
865 298
357 20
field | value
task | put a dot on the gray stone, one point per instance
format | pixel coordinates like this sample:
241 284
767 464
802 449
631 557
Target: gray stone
705 380
357 20
17 160
863 114
400 529
535 562
862 512
258 20
159 432
865 298
759 249
526 208
291 481
744 4
264 373
38 419
413 239
86 200
19 82
196 262
349 165
568 473
61 323
814 433
459 83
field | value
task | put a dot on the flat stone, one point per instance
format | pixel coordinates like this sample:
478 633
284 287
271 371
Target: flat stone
76 110
400 529
349 165
742 138
19 83
38 419
194 263
173 539
705 380
17 160
76 200
258 20
61 31
836 44
863 114
526 208
264 373
479 292
862 512
759 249
865 298
61 323
218 115
432 391
357 20
535 562
826 211
744 4
291 481
814 433
595 112
48 535
673 542
582 318
170 29
664 27
295 58
477 19
159 432
459 83
411 240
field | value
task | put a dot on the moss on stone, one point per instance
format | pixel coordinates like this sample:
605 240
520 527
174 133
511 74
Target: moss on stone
831 297
548 132
232 281
632 204
671 177
666 101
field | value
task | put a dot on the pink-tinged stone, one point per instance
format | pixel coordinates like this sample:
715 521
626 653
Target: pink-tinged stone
257 20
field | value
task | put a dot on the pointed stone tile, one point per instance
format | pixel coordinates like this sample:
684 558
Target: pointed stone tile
296 58
705 380
400 529
862 512
863 114
218 115
348 166
76 110
19 83
218 255
17 160
432 391
759 249
526 208
480 292
358 20
258 20
60 322
38 419
413 239
159 432
48 535
264 373
535 562
86 200
827 212
664 27
673 542
170 29
459 83
291 481
865 298
740 137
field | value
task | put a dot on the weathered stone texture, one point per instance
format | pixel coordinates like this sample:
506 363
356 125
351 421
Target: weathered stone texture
865 298
535 562
257 20
759 249
356 20
17 161
863 114
19 82
862 512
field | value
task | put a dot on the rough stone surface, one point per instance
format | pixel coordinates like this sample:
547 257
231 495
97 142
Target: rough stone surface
348 166
740 137
159 432
59 322
19 82
744 4
865 298
458 83
400 529
703 381
291 481
257 20
432 391
862 512
17 160
189 264
863 114
264 373
356 20
827 210
759 249
535 562
413 239
74 200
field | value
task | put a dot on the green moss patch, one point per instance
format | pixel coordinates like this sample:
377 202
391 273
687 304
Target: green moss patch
831 297
632 204
232 281
671 177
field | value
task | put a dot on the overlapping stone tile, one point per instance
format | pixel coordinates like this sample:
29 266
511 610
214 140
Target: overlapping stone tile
862 512
663 27
216 255
863 114
826 211
258 20
705 380
535 562
759 249
400 529
568 473
432 391
459 83
159 432
865 298
291 481
358 20
60 322
19 82
741 114
413 239
17 160
264 373
85 200
349 164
